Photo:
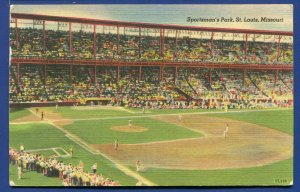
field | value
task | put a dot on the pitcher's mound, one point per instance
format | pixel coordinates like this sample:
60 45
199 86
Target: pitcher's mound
126 128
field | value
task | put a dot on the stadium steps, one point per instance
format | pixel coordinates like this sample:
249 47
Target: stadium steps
43 80
90 75
254 83
14 76
208 85
223 84
282 80
186 79
180 92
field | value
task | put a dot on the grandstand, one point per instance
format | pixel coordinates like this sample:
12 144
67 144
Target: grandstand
125 62
127 67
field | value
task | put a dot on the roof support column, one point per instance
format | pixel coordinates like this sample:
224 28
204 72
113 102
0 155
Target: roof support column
45 73
246 47
162 42
210 76
161 73
244 76
44 37
71 73
212 43
278 47
70 37
118 43
19 74
176 45
95 41
118 72
17 34
140 73
175 74
140 41
95 74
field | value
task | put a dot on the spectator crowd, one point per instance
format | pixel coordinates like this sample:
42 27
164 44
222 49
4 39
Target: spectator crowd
129 46
192 87
69 174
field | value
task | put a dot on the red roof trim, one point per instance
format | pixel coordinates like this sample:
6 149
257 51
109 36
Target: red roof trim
145 25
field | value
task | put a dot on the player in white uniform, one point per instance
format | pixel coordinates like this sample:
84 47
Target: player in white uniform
116 144
129 124
179 118
22 148
19 172
138 165
226 131
226 107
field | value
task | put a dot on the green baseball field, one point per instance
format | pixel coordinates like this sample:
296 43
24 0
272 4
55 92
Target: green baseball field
176 147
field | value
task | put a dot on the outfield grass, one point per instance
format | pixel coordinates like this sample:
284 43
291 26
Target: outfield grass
100 132
280 173
17 113
38 135
281 120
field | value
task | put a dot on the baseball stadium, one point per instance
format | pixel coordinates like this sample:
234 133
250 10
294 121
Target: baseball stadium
113 103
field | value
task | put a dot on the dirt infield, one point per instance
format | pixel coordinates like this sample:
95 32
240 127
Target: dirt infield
246 145
27 118
126 128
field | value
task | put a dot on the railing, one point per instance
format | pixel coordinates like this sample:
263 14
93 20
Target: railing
152 63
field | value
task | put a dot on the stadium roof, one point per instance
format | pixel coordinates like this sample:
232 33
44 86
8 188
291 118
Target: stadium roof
145 25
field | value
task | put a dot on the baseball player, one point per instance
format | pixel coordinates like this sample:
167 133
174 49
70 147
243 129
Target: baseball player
21 148
129 124
19 172
179 118
138 165
71 151
226 131
42 115
116 144
94 168
226 107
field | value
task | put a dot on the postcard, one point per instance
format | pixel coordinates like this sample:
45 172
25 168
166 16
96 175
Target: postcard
151 95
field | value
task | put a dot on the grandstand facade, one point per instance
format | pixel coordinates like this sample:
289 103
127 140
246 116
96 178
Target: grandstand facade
67 60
